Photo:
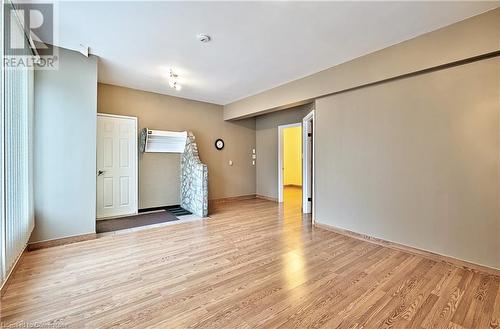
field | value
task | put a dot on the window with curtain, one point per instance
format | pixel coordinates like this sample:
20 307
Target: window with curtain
17 217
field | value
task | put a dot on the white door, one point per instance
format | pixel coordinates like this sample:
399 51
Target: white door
116 165
307 164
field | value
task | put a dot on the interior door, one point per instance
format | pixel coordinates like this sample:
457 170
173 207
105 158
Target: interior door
116 166
307 156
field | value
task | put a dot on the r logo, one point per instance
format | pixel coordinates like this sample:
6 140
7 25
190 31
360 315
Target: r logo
36 19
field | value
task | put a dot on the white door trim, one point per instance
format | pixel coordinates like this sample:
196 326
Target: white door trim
305 164
136 199
280 157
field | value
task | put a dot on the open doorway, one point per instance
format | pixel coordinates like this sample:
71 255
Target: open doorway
290 164
296 145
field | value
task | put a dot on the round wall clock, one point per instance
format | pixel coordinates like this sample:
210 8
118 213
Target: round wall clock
219 144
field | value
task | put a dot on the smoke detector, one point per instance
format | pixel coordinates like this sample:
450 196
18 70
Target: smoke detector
203 37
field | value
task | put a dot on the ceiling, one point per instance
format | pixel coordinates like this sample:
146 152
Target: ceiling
255 45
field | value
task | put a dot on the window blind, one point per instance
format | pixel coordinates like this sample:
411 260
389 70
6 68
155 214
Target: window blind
17 116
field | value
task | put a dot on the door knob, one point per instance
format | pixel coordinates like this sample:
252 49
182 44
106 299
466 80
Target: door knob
100 172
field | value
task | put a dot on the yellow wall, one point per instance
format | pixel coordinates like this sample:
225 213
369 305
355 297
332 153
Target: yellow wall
292 150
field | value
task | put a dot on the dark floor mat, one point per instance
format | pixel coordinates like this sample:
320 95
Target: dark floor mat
109 225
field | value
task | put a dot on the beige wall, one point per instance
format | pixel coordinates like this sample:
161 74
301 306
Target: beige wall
159 172
267 146
474 36
416 161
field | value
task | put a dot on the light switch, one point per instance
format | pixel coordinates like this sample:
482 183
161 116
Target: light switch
253 162
253 151
230 162
254 156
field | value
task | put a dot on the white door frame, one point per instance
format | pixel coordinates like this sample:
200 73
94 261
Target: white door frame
306 164
136 200
280 157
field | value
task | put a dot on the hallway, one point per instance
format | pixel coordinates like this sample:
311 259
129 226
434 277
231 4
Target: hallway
292 197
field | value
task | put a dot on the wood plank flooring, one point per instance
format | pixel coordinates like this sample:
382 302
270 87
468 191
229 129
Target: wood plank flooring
255 264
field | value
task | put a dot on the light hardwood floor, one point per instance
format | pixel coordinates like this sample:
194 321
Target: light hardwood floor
254 264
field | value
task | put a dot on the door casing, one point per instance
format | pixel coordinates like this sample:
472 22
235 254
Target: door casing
308 156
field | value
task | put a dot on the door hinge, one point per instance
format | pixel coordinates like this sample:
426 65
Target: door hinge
309 199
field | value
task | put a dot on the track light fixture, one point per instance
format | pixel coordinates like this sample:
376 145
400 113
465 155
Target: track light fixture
172 81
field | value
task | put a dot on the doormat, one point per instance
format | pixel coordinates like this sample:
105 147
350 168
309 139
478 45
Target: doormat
116 224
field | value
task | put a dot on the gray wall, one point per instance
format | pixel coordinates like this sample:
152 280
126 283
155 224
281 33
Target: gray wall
416 161
266 139
65 148
159 173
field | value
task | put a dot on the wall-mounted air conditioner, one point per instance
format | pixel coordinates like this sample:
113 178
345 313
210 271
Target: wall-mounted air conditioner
162 141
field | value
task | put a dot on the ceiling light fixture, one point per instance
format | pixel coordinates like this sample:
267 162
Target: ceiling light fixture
172 81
